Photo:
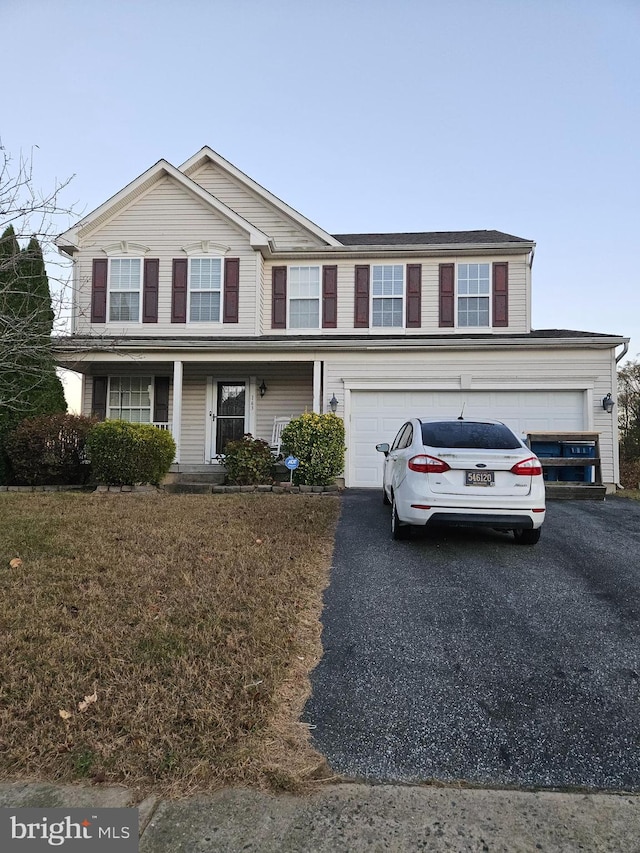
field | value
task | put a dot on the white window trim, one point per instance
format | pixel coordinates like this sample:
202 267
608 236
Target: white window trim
488 296
201 257
404 299
152 391
139 291
289 298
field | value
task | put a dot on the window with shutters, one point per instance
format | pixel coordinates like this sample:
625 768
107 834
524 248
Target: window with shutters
387 295
205 289
125 277
130 399
474 295
304 297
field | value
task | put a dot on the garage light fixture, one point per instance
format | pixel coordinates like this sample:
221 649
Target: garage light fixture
607 403
333 403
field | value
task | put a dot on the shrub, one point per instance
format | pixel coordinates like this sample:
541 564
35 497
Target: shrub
248 461
49 450
123 453
630 473
318 442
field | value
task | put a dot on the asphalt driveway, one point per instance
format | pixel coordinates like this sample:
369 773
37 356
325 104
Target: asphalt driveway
461 656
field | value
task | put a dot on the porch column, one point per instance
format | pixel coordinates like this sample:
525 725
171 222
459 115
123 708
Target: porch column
177 406
317 387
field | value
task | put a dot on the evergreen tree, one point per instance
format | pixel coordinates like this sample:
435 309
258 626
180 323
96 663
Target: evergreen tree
29 384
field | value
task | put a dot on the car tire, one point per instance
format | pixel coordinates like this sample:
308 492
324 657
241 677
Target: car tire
399 530
385 497
526 537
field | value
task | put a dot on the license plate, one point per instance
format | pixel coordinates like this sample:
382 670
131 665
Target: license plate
479 478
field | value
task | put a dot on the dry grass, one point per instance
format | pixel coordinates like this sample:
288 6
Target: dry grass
194 620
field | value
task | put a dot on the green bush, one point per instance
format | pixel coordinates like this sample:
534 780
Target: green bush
248 462
318 442
49 450
126 454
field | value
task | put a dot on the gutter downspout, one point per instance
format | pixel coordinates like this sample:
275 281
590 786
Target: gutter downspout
623 353
625 350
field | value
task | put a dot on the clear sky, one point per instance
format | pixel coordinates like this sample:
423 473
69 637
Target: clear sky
378 115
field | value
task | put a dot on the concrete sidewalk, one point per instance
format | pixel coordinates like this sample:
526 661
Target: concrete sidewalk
348 818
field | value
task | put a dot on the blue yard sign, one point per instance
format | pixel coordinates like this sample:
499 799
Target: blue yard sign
292 462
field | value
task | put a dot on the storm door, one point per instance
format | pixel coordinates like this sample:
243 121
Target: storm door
230 414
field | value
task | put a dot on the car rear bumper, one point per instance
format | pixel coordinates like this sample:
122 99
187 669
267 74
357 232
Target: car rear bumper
427 513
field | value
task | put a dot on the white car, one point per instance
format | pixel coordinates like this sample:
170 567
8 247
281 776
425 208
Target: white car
463 472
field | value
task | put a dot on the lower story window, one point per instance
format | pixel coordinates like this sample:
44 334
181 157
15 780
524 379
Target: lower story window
130 399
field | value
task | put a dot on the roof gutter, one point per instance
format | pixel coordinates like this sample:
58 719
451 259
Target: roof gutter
399 251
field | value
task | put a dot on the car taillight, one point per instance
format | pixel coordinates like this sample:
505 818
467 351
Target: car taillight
528 467
424 464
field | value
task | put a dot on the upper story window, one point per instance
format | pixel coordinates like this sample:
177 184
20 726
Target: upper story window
304 297
474 295
125 278
130 399
205 289
387 295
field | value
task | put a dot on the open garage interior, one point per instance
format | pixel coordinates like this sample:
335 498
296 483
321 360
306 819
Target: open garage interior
377 415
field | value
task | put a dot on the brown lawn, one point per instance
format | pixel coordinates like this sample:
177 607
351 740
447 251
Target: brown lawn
160 641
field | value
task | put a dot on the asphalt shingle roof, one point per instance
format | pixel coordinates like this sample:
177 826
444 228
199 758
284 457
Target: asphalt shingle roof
426 238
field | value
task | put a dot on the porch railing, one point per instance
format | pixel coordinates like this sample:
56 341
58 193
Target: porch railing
162 425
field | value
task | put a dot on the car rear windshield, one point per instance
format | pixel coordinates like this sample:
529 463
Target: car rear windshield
469 434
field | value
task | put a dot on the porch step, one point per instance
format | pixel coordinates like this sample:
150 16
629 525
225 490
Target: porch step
195 475
575 491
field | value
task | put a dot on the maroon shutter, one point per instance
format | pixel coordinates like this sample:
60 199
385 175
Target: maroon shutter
179 290
161 400
414 296
231 290
501 294
361 312
150 290
99 397
279 298
447 295
99 290
330 297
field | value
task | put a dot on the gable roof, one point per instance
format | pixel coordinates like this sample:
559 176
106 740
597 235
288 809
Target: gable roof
68 241
430 238
208 154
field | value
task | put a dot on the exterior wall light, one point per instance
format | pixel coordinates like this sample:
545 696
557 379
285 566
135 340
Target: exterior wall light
262 388
333 403
607 403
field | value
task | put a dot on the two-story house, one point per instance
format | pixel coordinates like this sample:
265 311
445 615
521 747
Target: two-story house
205 304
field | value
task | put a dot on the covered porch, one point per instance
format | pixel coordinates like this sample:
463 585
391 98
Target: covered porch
203 403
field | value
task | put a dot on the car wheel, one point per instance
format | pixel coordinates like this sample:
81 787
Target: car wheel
398 529
526 537
385 497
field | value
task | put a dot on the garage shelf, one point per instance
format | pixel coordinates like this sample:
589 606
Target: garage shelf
570 488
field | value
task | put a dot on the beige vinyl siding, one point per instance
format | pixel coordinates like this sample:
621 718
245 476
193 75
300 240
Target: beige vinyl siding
286 233
587 370
518 276
166 220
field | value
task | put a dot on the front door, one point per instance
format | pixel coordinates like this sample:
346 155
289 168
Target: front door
229 415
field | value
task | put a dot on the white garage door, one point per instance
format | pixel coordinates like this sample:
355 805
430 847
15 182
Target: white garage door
378 415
